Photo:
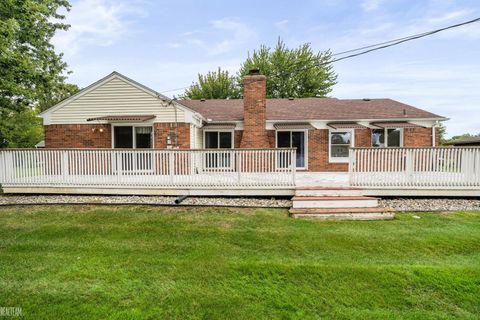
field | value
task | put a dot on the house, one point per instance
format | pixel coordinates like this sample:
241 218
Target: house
466 142
118 136
118 112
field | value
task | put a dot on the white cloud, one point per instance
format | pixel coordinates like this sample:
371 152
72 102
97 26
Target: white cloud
370 5
448 17
434 20
96 22
282 25
223 36
174 45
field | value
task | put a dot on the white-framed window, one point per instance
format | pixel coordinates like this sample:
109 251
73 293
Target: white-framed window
132 136
294 139
384 138
128 136
339 143
218 139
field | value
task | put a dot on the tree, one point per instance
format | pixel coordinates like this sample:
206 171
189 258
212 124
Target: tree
460 137
32 74
294 73
214 85
442 131
23 129
443 140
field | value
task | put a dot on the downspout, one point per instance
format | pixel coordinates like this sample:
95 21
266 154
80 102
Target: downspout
434 134
171 102
176 122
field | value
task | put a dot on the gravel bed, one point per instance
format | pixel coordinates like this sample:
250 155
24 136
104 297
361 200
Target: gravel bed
147 200
431 204
399 204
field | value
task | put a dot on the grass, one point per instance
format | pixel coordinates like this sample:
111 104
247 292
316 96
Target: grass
94 262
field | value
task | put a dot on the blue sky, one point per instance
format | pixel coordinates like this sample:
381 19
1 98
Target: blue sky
165 44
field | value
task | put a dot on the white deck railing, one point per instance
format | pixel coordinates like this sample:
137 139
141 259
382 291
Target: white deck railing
263 168
442 167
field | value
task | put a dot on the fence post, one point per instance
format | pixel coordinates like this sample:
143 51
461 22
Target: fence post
294 165
409 167
170 165
119 160
351 164
64 164
237 155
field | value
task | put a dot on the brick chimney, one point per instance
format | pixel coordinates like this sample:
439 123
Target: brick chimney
254 111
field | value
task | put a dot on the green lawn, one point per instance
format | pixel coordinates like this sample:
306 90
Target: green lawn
89 262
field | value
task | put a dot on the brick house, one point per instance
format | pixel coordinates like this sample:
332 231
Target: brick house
117 112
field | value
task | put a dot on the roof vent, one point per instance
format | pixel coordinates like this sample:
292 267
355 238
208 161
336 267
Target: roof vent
254 72
404 112
290 98
366 99
202 99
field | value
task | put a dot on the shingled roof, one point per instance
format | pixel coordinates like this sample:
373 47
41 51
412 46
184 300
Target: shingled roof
311 109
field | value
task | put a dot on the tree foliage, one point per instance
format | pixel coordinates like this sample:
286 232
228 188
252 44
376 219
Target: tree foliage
32 74
443 140
214 85
297 73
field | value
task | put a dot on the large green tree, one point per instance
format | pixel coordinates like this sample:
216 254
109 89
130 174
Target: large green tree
32 74
214 85
297 73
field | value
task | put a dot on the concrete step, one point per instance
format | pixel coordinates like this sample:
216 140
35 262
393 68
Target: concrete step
328 191
334 202
344 213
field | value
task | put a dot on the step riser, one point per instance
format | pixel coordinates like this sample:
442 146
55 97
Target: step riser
329 193
371 203
346 216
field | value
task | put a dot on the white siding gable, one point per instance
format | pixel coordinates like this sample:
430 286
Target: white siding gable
115 96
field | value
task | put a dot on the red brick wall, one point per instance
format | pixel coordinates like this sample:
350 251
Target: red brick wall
318 152
162 130
417 137
237 138
89 135
78 136
254 112
363 138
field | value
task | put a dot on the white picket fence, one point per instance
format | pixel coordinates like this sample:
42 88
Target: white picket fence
219 168
441 167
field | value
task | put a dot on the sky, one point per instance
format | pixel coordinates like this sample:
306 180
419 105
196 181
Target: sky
165 44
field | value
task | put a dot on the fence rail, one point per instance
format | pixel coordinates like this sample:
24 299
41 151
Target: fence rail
267 168
415 167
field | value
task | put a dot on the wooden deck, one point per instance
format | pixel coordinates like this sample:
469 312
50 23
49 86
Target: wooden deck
271 172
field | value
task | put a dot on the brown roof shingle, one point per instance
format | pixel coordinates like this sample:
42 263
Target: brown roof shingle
311 109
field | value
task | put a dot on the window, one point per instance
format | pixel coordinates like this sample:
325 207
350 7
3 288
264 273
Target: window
293 139
143 137
382 138
123 137
218 140
340 143
132 137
